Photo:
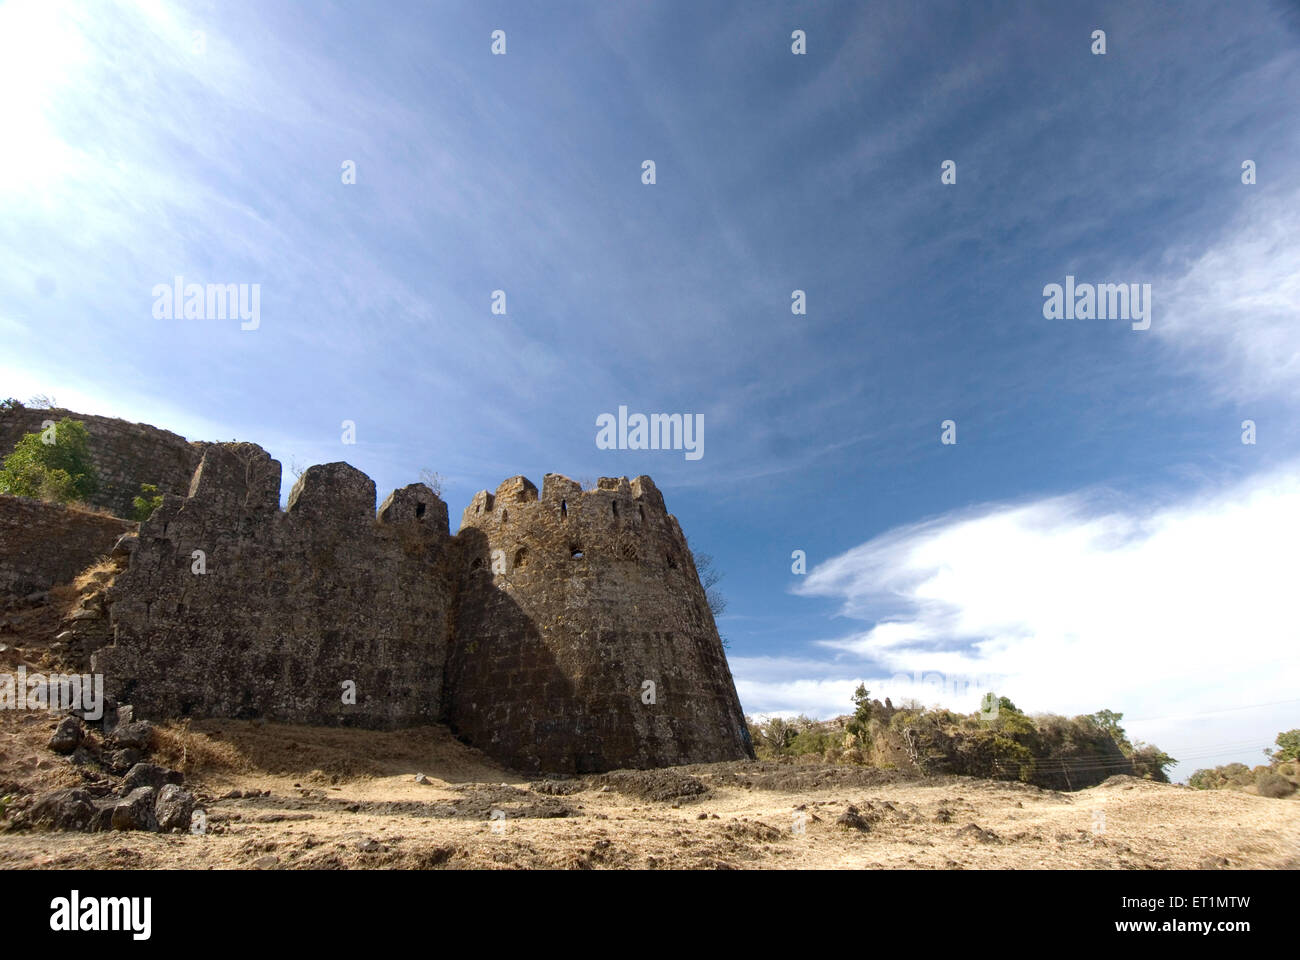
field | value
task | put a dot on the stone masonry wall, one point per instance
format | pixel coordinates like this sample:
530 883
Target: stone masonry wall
43 544
125 454
569 606
532 633
291 604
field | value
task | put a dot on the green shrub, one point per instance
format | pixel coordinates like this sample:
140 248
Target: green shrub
1108 720
145 504
1270 784
52 464
1235 776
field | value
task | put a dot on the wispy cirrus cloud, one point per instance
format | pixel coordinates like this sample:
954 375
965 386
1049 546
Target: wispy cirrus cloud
1232 313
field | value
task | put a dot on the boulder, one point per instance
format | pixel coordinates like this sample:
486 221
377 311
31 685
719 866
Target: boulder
148 775
72 809
103 819
852 819
67 736
135 811
137 735
173 807
120 761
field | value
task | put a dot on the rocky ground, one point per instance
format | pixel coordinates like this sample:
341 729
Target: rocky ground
279 797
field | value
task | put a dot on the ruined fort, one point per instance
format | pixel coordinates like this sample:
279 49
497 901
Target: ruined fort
563 631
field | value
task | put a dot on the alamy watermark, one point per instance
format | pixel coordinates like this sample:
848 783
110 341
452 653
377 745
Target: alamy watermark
1101 301
75 913
951 685
657 431
213 301
83 693
1097 302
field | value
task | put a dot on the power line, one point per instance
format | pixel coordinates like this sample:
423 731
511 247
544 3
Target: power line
1206 713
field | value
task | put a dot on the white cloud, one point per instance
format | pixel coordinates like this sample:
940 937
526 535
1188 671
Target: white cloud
1177 614
1233 310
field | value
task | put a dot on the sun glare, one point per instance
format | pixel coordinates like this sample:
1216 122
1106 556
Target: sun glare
41 52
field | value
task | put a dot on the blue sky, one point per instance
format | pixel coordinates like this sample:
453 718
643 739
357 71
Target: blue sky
1099 536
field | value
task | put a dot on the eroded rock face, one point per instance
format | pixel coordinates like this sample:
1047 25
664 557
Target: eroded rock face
565 633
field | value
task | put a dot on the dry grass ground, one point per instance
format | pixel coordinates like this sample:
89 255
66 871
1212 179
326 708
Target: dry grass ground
333 798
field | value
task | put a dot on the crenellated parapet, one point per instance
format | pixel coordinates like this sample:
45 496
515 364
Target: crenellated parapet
583 638
564 630
618 520
321 613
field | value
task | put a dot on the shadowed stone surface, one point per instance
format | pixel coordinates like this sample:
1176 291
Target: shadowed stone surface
42 544
292 605
534 632
571 605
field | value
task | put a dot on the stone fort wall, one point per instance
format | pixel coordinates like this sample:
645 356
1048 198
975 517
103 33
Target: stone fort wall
43 544
125 454
533 632
231 607
584 639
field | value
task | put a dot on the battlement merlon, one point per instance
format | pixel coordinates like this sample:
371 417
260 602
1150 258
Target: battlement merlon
415 503
560 491
242 480
238 480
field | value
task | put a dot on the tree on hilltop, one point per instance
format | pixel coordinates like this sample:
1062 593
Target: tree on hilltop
1288 746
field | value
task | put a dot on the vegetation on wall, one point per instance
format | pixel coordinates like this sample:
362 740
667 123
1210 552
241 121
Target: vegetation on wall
149 500
52 464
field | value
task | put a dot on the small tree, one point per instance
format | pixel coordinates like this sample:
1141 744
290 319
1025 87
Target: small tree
1288 746
861 721
52 464
709 579
144 505
1109 720
432 480
777 734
